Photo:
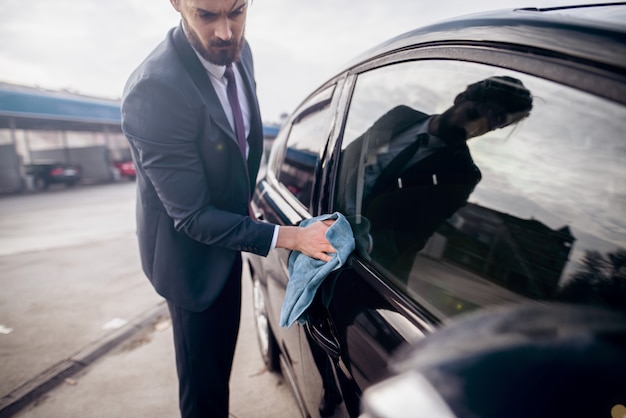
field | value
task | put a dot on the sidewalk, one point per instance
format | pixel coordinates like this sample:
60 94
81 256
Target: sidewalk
137 378
82 331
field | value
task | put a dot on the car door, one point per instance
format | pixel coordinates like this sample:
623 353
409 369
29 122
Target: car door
331 383
536 223
284 197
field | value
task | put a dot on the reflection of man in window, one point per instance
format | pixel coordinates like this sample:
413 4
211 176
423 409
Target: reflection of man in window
410 171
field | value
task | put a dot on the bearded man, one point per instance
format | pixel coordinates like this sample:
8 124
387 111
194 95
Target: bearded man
191 116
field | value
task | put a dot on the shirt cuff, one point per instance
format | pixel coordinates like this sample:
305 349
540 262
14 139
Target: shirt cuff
274 238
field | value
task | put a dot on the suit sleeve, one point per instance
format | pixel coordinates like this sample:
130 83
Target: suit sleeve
163 126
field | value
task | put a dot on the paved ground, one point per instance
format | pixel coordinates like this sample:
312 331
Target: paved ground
82 333
138 379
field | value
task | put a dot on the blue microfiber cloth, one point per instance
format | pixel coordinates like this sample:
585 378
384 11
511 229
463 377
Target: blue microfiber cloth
306 274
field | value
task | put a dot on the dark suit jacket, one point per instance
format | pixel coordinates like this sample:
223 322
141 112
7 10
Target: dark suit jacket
193 192
452 159
403 219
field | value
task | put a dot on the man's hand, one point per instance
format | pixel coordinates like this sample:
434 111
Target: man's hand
310 240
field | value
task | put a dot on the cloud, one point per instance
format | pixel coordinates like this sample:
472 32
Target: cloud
92 46
88 47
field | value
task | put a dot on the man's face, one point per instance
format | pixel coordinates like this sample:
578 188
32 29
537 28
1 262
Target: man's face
215 28
469 119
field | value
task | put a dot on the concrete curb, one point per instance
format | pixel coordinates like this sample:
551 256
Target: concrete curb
32 390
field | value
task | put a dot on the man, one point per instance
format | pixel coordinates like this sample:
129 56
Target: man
409 172
194 185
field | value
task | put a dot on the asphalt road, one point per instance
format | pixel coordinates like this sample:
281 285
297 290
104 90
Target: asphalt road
82 332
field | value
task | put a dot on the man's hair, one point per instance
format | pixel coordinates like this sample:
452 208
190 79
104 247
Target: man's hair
508 92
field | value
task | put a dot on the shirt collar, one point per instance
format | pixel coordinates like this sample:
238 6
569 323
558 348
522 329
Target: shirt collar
216 71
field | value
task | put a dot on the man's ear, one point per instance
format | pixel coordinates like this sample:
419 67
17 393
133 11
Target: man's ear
175 5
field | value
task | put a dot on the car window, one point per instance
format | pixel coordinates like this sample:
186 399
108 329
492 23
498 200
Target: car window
308 133
529 208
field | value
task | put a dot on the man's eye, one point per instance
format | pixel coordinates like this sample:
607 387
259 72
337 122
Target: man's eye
205 15
237 12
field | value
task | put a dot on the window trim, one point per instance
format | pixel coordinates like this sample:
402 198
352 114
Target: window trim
407 306
543 64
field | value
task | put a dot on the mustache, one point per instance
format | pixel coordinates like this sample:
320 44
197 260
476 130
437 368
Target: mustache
220 43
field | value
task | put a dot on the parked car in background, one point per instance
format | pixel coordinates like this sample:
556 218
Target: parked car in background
126 169
528 211
45 174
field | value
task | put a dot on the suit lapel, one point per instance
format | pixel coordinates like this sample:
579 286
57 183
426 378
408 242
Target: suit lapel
201 79
255 138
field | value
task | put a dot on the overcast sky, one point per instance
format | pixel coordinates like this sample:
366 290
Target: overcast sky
91 46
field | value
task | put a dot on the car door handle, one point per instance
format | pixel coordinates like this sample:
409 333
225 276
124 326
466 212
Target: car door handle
321 330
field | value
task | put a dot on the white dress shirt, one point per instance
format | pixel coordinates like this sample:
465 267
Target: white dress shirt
216 75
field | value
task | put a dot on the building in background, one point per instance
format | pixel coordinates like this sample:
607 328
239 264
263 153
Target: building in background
43 128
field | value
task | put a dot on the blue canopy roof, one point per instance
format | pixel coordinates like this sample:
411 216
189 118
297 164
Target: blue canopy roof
31 108
270 131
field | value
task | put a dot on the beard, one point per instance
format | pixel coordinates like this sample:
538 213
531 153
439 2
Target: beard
219 51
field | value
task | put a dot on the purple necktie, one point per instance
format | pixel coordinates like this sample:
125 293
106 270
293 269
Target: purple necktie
231 91
240 131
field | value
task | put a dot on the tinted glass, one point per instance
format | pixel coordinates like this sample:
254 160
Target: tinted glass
532 210
307 135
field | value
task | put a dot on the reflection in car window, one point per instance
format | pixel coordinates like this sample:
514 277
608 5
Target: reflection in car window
526 200
307 134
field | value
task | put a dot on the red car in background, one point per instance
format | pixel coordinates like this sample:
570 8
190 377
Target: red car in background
126 169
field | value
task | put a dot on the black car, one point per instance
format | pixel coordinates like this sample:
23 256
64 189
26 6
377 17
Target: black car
480 162
45 174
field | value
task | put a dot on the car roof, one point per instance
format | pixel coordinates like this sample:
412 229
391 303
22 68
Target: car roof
609 13
572 31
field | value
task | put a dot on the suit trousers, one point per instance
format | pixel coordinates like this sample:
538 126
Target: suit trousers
205 346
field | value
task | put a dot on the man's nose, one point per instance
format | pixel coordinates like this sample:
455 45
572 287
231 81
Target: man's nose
223 29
